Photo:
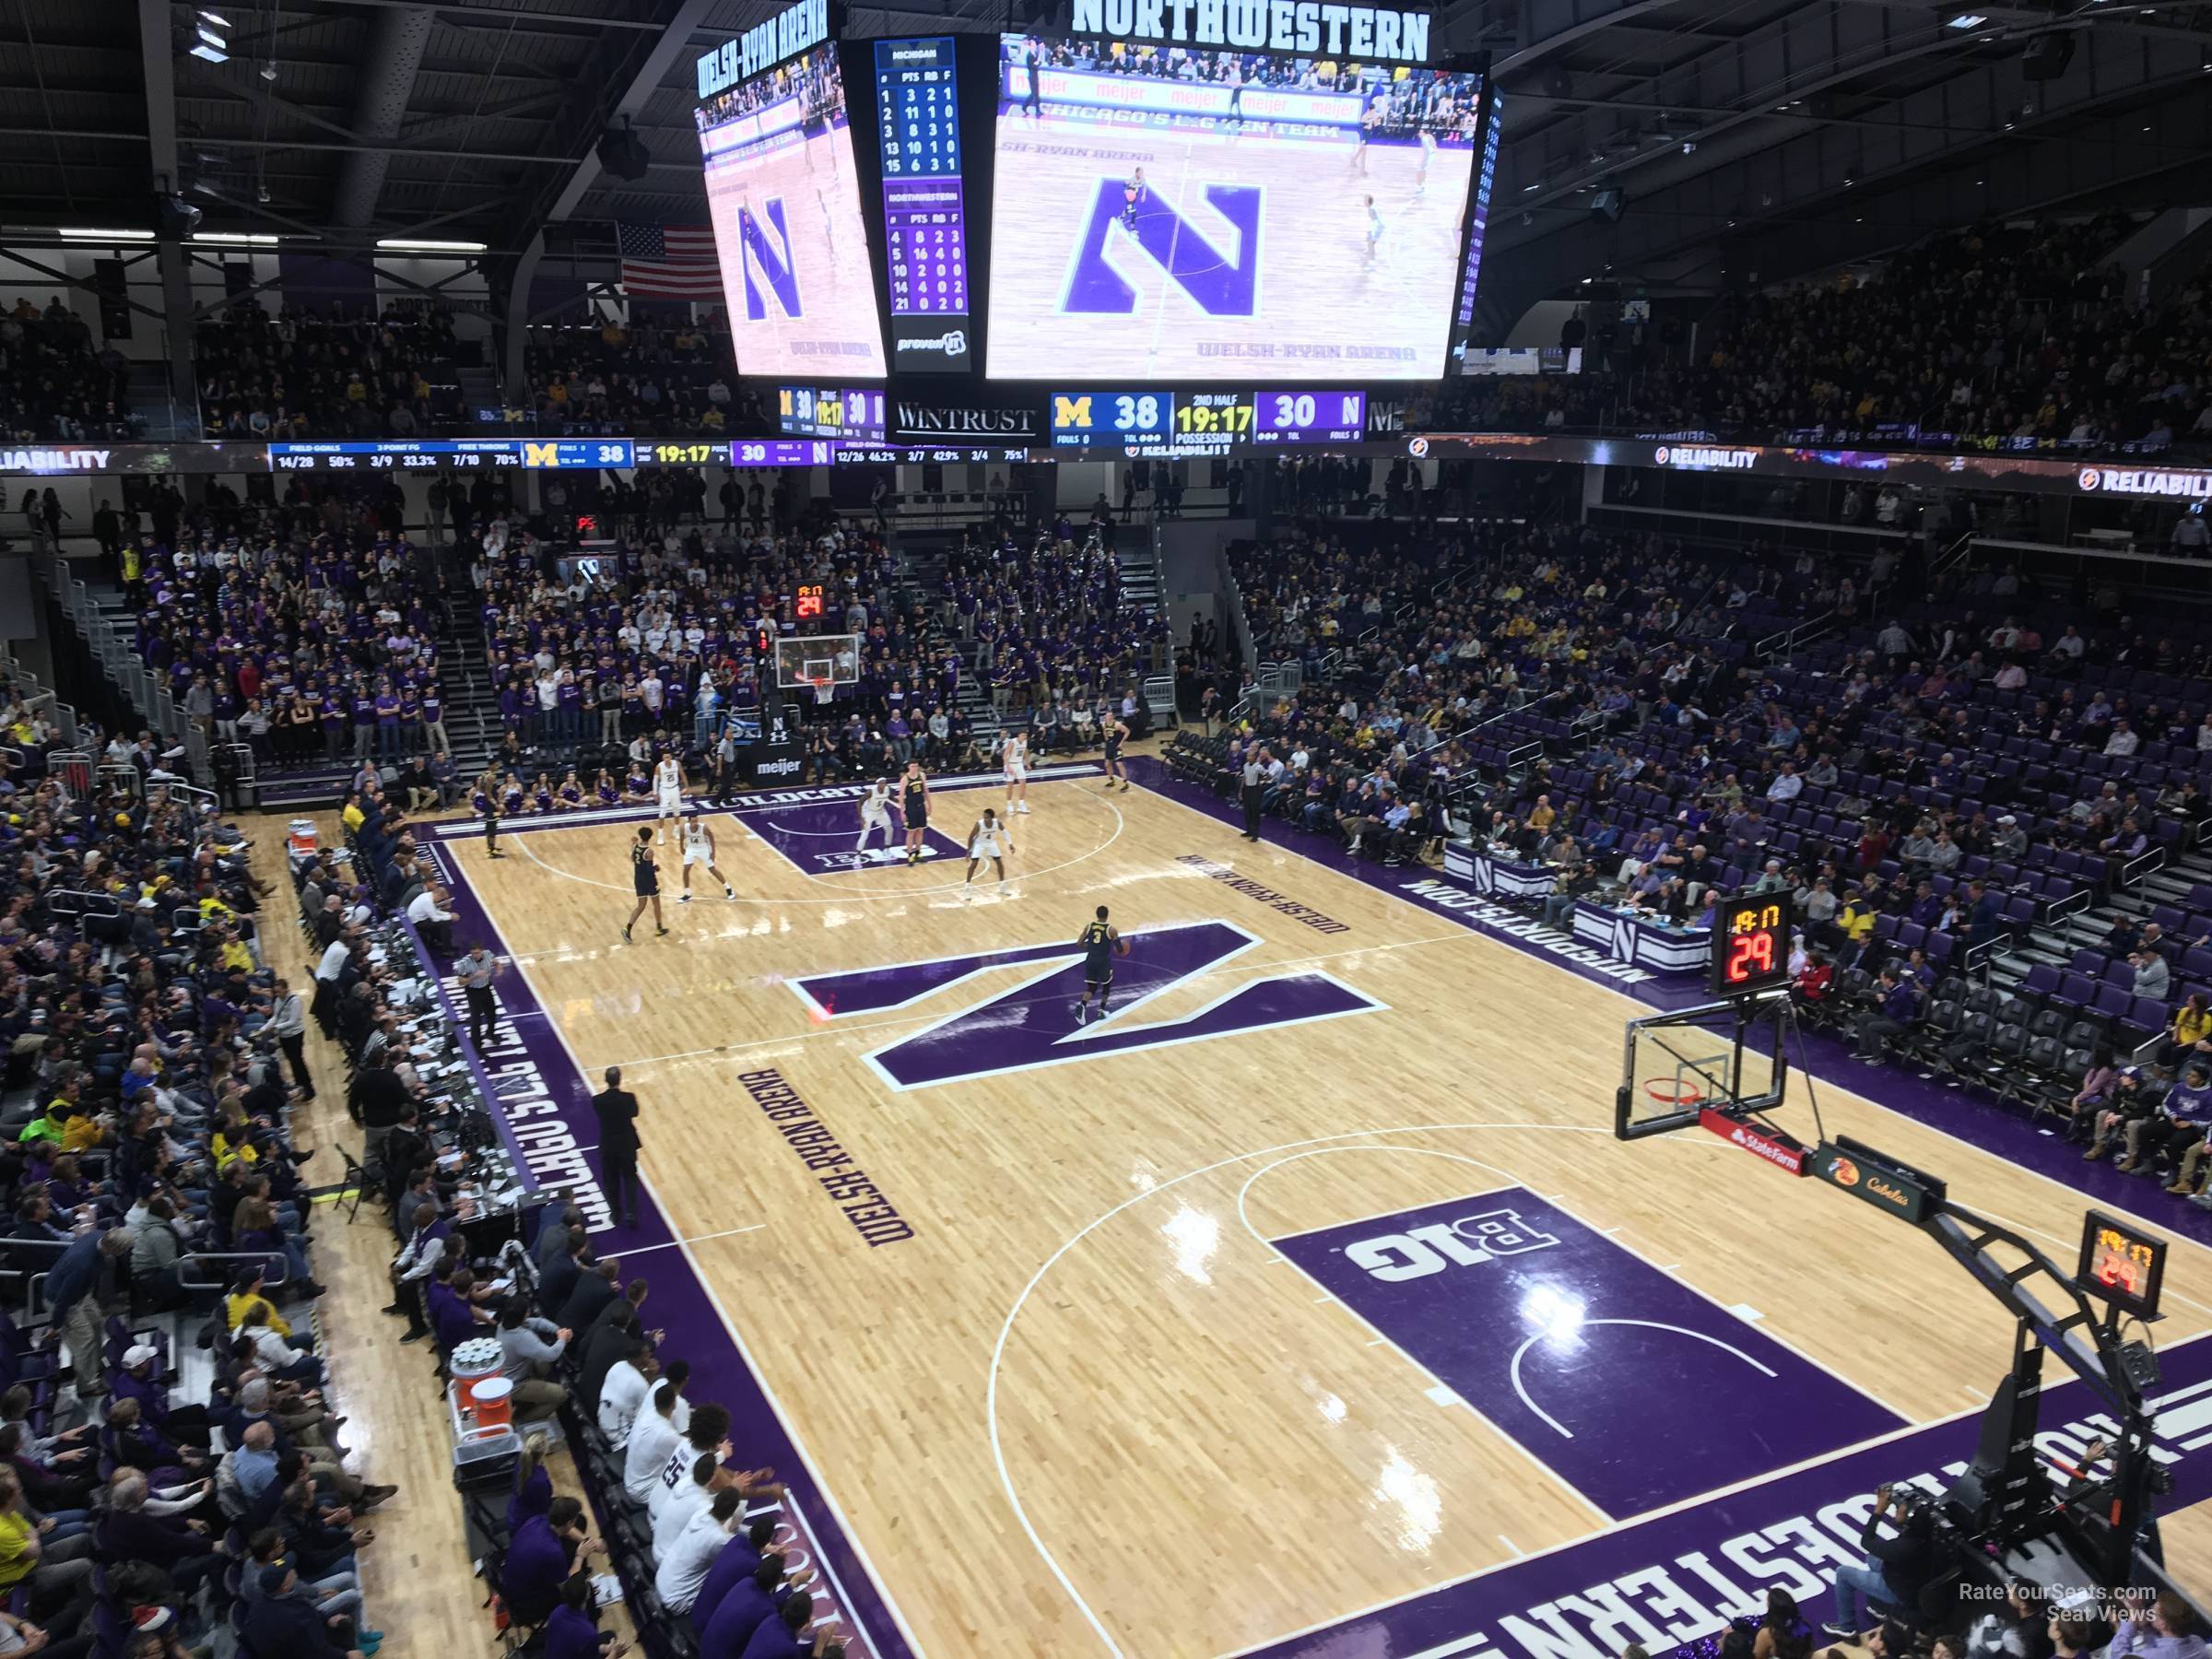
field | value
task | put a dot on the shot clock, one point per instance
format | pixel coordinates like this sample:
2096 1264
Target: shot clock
1751 942
806 601
2121 1264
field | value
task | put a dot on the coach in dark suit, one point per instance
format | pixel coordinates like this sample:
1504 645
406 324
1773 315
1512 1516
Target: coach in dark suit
618 1109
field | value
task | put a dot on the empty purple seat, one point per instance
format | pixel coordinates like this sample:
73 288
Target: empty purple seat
2090 962
2041 981
2149 1013
2112 1002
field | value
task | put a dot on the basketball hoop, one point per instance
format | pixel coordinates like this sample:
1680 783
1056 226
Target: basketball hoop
823 686
1672 1092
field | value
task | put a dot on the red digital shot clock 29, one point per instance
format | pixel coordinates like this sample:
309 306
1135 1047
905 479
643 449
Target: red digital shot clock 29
806 601
1751 942
2121 1264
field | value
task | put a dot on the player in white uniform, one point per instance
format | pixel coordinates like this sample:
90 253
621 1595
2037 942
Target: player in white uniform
668 787
1017 760
697 843
990 839
875 813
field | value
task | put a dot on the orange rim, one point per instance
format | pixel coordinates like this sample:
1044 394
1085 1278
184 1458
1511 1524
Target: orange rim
1668 1091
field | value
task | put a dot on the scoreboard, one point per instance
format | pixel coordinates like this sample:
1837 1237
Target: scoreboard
411 454
830 412
925 213
1170 425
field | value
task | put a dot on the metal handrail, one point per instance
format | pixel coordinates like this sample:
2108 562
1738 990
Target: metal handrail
83 902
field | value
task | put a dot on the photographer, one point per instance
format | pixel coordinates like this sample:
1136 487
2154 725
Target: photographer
1900 1561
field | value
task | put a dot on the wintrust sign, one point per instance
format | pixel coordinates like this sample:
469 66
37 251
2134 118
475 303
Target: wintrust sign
1368 33
2185 484
928 420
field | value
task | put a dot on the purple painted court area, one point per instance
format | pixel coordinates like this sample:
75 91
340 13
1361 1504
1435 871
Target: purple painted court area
1565 1341
2003 1130
822 838
1033 1022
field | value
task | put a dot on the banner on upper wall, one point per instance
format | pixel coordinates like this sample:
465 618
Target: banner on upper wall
1366 34
921 431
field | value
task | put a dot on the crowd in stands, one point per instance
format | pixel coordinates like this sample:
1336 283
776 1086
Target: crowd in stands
1997 334
55 383
153 1064
326 373
303 630
676 378
692 1532
1937 781
1048 611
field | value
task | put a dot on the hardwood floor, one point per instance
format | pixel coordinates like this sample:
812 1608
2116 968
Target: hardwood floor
1091 1347
417 1578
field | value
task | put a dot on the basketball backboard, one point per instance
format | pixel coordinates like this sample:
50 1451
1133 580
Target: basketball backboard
803 659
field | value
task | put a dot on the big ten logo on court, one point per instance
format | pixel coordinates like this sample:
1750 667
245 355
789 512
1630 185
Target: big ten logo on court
1468 1243
1223 282
771 260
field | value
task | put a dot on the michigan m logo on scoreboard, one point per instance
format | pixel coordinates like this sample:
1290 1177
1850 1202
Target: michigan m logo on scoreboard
774 263
1219 284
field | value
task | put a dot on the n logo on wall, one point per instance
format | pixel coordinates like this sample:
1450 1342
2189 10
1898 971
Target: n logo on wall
1222 281
774 262
1032 1022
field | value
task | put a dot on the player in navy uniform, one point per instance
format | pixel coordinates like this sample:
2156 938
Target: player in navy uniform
487 805
914 805
1134 191
1116 735
1101 942
645 878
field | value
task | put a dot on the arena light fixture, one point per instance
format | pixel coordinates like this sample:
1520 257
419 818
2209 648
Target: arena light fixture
400 244
234 239
69 233
212 37
1967 21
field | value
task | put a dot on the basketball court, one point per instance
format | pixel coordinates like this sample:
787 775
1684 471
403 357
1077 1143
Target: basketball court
802 201
1305 1305
1304 203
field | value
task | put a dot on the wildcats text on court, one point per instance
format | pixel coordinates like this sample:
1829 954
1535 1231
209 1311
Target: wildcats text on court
1371 33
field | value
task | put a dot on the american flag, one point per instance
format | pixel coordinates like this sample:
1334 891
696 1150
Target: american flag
669 262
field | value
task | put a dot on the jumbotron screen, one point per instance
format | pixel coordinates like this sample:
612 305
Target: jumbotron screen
786 204
1189 215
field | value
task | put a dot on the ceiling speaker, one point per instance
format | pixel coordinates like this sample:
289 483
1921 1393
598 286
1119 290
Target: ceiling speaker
623 153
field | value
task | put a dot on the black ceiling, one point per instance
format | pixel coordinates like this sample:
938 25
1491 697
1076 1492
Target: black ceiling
1748 136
